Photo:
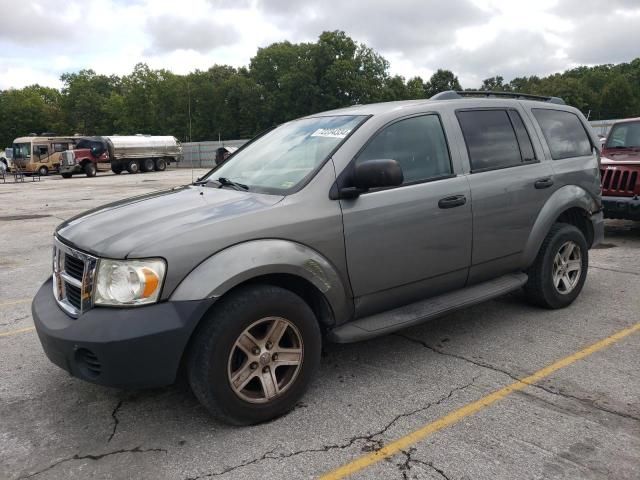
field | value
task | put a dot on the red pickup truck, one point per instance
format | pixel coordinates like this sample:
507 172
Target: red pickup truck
620 171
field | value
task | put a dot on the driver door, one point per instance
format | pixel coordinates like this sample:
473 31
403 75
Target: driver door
409 242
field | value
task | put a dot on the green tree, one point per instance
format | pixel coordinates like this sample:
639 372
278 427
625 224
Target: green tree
442 81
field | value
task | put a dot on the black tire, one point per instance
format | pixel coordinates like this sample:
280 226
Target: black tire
161 165
147 165
133 167
90 169
540 288
213 344
66 175
117 169
43 171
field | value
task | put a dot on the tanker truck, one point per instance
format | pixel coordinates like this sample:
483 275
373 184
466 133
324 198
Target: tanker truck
132 153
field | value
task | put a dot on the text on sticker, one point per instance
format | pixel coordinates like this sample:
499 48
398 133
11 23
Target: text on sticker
331 132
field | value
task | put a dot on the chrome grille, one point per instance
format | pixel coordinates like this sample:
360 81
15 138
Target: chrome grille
73 273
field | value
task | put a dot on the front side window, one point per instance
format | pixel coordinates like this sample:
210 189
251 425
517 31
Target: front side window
491 139
418 144
286 157
563 132
624 135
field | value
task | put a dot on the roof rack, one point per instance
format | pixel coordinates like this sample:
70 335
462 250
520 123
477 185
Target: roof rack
452 94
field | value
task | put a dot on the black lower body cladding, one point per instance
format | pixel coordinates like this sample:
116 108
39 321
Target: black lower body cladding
137 347
622 207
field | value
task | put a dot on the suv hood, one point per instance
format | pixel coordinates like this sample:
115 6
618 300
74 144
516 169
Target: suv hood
142 225
623 154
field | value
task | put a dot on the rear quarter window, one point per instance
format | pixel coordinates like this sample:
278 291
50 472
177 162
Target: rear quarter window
564 133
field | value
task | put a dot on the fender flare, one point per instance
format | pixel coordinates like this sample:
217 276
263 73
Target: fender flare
569 196
244 261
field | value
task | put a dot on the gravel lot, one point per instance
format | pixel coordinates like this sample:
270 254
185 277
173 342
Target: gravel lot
581 421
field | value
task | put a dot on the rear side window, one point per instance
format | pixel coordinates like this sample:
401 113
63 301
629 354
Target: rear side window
495 139
418 144
564 133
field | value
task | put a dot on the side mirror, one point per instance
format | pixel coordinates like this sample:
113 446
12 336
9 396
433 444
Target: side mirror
372 174
377 174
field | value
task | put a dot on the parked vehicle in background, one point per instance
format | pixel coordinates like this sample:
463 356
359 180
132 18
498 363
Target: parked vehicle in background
620 171
142 152
40 154
351 224
6 157
134 153
90 155
222 153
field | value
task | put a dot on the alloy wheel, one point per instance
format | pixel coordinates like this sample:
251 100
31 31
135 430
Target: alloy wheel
265 360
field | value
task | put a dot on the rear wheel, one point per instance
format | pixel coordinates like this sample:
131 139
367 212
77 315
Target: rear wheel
117 169
254 355
560 269
147 165
132 166
43 171
90 169
161 165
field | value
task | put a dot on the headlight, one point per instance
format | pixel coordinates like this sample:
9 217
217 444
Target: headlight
129 282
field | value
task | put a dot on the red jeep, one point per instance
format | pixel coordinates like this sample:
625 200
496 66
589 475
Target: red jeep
620 171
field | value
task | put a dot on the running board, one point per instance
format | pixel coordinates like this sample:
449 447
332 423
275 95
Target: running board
424 310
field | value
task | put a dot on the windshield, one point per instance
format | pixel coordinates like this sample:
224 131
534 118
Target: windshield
21 150
284 158
624 135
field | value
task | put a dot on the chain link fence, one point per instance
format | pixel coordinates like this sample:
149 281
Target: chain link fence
202 154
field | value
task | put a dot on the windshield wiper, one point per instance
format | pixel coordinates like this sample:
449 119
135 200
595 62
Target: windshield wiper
225 182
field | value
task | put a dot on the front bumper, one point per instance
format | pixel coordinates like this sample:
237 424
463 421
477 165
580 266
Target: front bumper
135 347
70 168
622 207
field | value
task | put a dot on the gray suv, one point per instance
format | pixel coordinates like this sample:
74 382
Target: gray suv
342 225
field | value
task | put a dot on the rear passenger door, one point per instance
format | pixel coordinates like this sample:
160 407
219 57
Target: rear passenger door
510 182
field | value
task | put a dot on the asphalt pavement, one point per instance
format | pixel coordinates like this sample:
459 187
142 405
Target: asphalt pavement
419 404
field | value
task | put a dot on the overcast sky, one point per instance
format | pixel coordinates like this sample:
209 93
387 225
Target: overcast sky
40 39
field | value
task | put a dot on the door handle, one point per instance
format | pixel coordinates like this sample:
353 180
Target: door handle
453 201
543 183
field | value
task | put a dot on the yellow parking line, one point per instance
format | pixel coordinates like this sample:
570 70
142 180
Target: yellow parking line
454 417
16 332
15 302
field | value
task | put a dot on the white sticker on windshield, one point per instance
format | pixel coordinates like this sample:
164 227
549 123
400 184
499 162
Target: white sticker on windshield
331 132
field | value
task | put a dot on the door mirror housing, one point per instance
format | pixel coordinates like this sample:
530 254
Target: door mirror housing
377 174
367 175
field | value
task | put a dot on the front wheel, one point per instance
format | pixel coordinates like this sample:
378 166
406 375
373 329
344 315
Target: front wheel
90 169
558 274
254 355
43 171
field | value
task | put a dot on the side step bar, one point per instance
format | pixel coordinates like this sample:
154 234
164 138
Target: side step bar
424 310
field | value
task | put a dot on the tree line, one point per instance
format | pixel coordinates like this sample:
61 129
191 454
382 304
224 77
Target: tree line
282 81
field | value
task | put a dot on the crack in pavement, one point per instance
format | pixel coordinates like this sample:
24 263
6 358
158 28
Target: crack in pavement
371 443
116 421
405 467
615 270
14 321
478 363
90 456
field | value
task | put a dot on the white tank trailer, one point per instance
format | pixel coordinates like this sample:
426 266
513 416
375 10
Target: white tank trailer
142 152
